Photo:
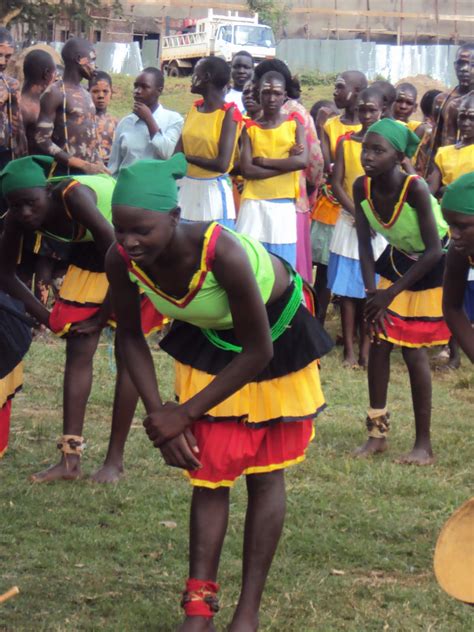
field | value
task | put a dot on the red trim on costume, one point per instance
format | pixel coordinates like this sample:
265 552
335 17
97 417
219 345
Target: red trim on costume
5 413
198 102
398 206
200 598
296 116
211 247
207 259
248 122
417 332
236 114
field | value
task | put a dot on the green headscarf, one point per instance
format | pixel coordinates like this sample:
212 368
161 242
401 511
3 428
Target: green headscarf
150 184
459 195
397 134
25 173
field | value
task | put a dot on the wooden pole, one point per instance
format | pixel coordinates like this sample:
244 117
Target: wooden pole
9 594
367 22
456 34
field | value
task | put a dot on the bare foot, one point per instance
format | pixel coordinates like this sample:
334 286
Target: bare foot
197 624
108 473
371 447
363 362
69 469
349 361
418 456
452 365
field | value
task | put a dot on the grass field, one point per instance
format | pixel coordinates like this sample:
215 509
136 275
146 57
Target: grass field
356 552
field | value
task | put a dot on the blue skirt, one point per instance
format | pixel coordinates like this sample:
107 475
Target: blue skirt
345 276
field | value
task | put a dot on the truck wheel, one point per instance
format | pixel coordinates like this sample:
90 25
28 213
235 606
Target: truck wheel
174 70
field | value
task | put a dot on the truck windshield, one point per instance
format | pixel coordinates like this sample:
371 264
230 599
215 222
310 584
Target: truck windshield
254 35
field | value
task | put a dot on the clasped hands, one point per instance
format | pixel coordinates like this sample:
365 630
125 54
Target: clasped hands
168 429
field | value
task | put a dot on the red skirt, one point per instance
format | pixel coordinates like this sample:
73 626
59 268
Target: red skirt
81 295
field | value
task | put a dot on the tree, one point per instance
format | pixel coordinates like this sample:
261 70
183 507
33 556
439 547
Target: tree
273 13
38 13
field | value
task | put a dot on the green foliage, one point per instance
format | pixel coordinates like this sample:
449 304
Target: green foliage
313 79
273 13
38 13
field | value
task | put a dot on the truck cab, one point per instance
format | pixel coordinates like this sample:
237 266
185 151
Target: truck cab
257 39
220 35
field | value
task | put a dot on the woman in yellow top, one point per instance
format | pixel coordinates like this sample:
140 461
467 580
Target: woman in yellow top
405 106
453 161
273 151
208 140
344 271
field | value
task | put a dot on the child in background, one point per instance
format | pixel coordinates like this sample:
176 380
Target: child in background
209 141
405 106
320 112
422 154
344 273
389 95
458 284
327 209
309 178
100 87
251 104
273 151
405 308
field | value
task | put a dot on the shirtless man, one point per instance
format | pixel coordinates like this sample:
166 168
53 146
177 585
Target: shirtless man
66 124
39 71
446 131
12 134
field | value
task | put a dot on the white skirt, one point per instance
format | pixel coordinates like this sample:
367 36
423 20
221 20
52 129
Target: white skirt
344 240
269 221
206 199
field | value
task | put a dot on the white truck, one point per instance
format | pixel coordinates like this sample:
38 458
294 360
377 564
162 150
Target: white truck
220 35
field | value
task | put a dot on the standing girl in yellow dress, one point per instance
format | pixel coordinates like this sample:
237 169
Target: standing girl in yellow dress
209 140
273 151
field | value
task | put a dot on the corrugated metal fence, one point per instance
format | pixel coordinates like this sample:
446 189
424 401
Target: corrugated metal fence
392 62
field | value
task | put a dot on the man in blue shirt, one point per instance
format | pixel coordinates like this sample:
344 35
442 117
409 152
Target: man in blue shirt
151 131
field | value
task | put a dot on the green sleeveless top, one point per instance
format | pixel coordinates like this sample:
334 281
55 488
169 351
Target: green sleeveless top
403 229
103 186
205 304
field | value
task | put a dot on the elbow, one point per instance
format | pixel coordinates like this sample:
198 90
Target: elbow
221 165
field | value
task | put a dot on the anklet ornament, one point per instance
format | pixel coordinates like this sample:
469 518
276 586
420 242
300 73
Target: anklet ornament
378 423
71 444
200 598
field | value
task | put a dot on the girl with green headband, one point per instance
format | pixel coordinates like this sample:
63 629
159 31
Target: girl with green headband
458 284
246 355
405 308
75 210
